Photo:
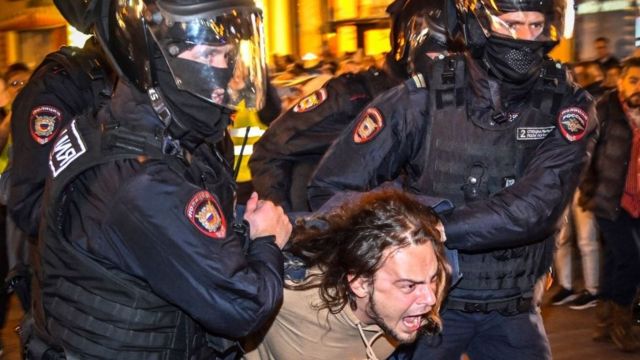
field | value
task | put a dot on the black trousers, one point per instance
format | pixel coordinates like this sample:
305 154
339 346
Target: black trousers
621 273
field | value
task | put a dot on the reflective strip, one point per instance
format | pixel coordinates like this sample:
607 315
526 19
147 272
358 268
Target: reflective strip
248 150
254 131
419 80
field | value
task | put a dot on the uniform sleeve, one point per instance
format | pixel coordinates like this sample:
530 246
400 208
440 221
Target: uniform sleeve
527 211
301 135
46 104
369 151
227 290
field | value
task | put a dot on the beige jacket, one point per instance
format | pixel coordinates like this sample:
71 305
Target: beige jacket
301 331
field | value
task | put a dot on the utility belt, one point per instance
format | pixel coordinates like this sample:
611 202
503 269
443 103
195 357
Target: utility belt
508 307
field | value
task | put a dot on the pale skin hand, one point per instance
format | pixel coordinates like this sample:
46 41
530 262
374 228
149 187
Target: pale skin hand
265 219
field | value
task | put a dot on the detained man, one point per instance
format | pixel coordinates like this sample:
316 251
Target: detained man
376 278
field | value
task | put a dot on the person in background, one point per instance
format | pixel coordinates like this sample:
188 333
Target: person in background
582 224
613 194
604 57
4 266
611 77
16 77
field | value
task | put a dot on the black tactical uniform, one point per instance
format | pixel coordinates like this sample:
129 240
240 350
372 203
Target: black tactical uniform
140 255
120 209
286 154
509 173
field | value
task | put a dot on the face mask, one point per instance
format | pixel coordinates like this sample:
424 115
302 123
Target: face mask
206 81
514 61
202 119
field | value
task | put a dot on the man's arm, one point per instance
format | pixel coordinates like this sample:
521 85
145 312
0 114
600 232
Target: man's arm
527 211
199 265
303 133
371 151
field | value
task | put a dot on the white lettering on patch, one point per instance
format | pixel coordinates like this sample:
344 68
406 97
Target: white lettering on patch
66 149
533 133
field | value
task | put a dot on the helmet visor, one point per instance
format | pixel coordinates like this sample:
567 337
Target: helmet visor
217 56
535 20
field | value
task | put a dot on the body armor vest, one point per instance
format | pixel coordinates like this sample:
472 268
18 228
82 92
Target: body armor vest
474 152
85 309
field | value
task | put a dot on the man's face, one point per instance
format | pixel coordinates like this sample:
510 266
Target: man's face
4 94
215 56
521 25
402 292
16 83
629 86
602 48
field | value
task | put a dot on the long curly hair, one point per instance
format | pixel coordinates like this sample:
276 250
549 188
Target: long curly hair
353 238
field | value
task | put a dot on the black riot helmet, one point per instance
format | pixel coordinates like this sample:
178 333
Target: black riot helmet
213 49
419 27
489 16
513 36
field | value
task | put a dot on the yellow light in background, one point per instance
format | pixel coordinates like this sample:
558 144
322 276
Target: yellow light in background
346 9
75 37
376 41
277 17
347 39
569 19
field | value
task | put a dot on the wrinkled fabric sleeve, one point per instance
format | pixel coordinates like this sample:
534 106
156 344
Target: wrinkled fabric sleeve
230 291
527 211
348 165
298 137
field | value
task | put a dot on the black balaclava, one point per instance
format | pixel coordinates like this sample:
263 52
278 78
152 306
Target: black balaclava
512 60
195 120
516 64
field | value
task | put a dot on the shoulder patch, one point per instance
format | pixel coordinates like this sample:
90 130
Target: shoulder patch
204 213
573 123
311 101
368 126
44 123
67 148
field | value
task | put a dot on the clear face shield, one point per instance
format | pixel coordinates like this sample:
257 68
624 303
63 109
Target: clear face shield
218 55
532 20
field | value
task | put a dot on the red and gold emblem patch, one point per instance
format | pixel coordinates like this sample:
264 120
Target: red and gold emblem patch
311 101
369 125
573 123
44 123
204 212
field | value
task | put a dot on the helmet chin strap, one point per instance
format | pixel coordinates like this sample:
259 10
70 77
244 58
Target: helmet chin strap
160 107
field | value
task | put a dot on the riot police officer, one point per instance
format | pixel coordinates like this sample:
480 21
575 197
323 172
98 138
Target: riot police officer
501 133
140 255
286 154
